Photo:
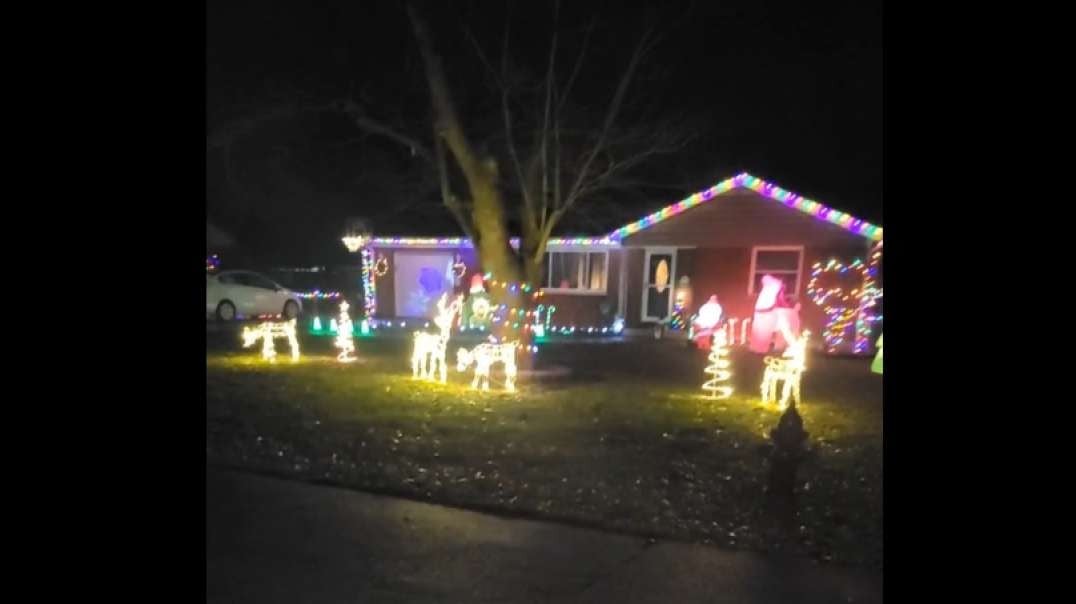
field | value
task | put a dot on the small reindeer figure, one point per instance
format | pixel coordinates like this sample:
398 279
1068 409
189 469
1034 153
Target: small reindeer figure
268 330
788 369
430 349
483 357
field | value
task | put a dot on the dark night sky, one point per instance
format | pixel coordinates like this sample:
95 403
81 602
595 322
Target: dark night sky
790 91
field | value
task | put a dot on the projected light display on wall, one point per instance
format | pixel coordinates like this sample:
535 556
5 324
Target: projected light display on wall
420 279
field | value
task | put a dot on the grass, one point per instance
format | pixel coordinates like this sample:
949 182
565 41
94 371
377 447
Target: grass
627 442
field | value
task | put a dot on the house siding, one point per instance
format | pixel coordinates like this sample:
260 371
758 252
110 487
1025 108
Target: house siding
589 310
714 245
744 218
571 309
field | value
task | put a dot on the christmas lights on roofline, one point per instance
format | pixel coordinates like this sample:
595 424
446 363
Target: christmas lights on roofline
464 242
745 180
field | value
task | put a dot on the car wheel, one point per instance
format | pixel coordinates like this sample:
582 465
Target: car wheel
291 310
225 311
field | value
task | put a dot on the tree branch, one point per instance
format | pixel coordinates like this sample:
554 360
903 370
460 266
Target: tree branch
549 79
578 63
229 133
501 83
610 117
447 122
528 202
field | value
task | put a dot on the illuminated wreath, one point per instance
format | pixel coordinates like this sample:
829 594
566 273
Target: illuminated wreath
382 267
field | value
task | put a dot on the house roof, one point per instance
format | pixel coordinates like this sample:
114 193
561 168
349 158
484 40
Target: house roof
747 181
744 180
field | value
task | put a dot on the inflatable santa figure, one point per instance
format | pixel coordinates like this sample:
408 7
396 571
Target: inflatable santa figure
706 322
775 320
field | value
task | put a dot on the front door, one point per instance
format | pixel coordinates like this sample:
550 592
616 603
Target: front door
659 275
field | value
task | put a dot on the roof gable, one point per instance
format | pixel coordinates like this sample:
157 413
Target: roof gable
787 198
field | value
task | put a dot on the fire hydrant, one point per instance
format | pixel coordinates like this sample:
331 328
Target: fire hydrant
789 451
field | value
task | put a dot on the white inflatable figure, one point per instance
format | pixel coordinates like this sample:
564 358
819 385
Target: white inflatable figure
709 314
266 332
787 369
344 338
774 320
429 352
484 356
705 321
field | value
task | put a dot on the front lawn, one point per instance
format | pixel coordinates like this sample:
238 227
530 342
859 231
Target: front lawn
626 443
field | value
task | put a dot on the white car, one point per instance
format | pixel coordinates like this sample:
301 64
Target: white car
233 295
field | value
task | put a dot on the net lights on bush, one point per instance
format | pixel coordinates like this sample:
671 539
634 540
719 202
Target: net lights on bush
718 385
840 305
745 180
845 307
868 302
266 332
344 338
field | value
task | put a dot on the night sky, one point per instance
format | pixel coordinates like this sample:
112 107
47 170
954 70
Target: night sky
789 91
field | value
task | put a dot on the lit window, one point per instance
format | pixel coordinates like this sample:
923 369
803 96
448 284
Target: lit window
584 272
783 262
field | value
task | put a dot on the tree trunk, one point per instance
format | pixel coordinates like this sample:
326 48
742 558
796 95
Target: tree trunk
487 211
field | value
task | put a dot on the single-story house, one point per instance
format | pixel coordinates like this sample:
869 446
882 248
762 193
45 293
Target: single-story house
722 239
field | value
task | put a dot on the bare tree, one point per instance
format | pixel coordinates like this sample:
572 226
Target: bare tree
558 152
553 166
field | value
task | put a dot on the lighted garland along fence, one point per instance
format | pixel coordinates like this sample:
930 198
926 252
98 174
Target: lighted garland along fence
367 328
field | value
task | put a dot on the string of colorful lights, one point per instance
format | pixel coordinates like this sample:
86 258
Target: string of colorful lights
464 242
369 287
317 294
866 316
841 306
745 180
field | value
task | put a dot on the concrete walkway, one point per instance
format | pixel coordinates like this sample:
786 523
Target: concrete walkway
271 540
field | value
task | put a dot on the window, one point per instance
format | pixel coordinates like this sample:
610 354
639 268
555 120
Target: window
254 280
576 272
658 278
783 262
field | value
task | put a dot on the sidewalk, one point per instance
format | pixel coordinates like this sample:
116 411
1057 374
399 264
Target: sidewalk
270 540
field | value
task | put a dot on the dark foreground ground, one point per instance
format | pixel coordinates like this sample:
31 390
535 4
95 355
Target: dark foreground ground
625 444
271 541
